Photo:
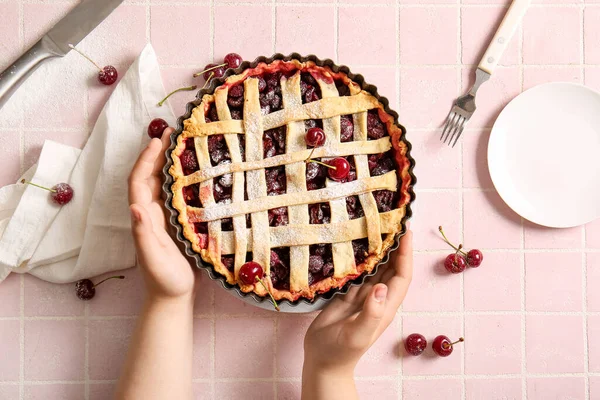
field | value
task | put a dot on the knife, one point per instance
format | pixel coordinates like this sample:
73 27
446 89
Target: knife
72 29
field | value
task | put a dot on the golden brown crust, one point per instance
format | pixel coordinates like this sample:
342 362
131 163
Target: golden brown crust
330 107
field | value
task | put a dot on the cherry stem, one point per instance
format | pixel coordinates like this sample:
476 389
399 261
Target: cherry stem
85 56
23 181
450 244
268 291
112 277
447 346
310 155
321 163
197 74
208 80
188 88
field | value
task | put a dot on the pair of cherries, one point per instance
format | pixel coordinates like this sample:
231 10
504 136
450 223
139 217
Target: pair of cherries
457 262
415 344
339 167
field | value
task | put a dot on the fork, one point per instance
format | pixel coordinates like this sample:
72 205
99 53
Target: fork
464 106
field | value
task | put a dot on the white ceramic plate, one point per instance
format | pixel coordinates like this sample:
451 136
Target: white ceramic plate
544 154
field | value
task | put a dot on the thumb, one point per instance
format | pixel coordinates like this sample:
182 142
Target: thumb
360 332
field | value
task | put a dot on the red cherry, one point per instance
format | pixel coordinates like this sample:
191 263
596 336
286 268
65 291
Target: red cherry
315 137
233 60
157 127
215 71
341 170
62 193
443 347
455 263
108 75
474 258
415 344
250 271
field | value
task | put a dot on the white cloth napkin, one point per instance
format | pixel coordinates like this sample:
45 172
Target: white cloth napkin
90 235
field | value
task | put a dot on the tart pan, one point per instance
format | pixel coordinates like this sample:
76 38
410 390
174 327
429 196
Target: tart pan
301 305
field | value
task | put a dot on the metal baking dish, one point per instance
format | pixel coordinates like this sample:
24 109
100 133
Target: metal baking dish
301 305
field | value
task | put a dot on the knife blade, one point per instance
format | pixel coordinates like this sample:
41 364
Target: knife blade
72 29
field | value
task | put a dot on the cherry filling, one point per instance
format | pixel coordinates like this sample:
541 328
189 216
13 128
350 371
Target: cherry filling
280 268
375 128
361 250
346 128
274 142
309 88
320 262
191 195
188 159
228 262
354 207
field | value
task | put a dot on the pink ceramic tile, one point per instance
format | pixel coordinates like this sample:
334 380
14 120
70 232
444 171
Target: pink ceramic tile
555 388
438 27
360 41
594 387
289 390
380 390
255 338
34 141
203 341
108 344
592 77
383 358
548 287
493 389
363 2
54 350
592 235
204 295
551 35
101 391
119 38
432 389
119 297
10 296
494 95
39 18
431 211
410 2
533 76
54 392
432 287
593 333
290 345
385 80
591 35
174 78
476 21
439 165
593 281
49 299
547 349
427 95
501 2
9 49
170 25
475 166
429 363
245 30
227 303
489 222
315 24
9 391
12 112
244 390
10 332
492 344
539 237
495 285
9 157
202 391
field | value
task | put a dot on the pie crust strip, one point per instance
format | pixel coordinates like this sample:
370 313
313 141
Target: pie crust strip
386 181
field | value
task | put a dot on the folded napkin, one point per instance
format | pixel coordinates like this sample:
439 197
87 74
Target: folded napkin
90 235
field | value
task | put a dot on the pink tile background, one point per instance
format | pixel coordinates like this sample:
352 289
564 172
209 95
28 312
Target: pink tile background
535 288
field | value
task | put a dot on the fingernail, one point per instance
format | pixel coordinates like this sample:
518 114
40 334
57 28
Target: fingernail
380 293
135 215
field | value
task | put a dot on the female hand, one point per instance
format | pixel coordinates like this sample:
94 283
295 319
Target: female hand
166 271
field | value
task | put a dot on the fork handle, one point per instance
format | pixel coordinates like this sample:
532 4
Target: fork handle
505 32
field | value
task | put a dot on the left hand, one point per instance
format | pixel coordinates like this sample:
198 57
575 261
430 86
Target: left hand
350 324
166 271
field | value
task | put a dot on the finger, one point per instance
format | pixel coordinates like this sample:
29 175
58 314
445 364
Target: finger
360 332
146 242
144 167
160 161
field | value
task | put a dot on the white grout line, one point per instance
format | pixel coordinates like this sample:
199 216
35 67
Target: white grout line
22 337
585 319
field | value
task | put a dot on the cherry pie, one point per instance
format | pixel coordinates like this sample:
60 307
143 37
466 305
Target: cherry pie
247 187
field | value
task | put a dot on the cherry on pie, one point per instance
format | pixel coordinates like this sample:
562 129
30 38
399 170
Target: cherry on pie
245 191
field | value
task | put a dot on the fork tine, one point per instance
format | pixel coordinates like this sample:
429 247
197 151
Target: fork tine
458 123
460 131
449 126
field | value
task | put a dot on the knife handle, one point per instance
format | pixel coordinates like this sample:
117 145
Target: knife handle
23 67
502 37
